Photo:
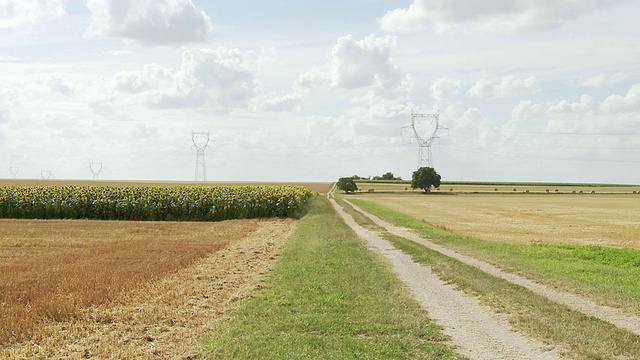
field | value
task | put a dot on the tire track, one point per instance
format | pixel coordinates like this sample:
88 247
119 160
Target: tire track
615 316
475 330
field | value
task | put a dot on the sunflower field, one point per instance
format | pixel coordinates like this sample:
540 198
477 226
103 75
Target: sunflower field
181 203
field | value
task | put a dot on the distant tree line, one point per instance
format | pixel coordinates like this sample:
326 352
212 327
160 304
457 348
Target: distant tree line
385 176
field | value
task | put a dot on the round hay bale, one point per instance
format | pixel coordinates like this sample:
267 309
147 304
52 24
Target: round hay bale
573 192
593 191
556 190
371 190
634 191
580 192
547 191
438 188
526 191
406 188
496 189
514 189
450 189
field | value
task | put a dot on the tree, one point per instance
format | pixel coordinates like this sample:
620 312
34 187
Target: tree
424 178
347 185
388 176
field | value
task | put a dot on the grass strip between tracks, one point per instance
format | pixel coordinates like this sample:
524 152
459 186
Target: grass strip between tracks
581 336
327 297
609 276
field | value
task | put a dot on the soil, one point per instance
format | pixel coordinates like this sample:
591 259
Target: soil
475 330
166 318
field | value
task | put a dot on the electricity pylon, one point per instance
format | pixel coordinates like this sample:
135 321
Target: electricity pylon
96 168
200 141
45 174
14 171
425 158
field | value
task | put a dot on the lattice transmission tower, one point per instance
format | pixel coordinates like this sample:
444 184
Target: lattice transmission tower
425 157
45 174
96 168
14 171
200 141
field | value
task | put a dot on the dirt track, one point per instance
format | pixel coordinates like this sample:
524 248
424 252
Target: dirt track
478 332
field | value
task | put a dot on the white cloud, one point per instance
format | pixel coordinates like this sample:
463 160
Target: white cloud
489 15
630 102
25 14
58 85
602 80
222 78
150 22
119 53
509 85
527 111
281 103
358 64
445 88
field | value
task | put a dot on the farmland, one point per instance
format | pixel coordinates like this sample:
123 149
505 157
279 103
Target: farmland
151 203
319 187
460 187
73 288
152 289
57 273
584 219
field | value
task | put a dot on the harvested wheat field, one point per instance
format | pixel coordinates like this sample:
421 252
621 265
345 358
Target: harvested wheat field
585 219
110 289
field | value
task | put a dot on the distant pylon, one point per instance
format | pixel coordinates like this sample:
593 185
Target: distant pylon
14 171
96 168
200 141
425 157
45 174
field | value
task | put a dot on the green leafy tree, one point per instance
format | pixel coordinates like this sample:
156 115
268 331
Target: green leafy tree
425 178
347 185
388 176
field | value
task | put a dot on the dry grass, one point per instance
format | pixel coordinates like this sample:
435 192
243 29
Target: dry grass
319 187
605 220
51 270
162 319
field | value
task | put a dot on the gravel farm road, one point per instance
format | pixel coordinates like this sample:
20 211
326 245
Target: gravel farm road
475 330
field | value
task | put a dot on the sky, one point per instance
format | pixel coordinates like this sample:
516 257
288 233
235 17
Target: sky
524 90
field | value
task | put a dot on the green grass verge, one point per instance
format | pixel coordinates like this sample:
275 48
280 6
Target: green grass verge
328 297
608 275
580 336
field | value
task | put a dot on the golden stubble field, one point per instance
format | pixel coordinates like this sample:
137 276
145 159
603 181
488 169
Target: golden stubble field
588 219
115 289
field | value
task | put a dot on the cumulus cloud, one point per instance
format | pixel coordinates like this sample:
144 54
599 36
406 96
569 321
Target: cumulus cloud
281 103
527 111
602 80
630 102
149 22
357 64
445 88
509 85
25 14
220 77
490 15
615 114
58 85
